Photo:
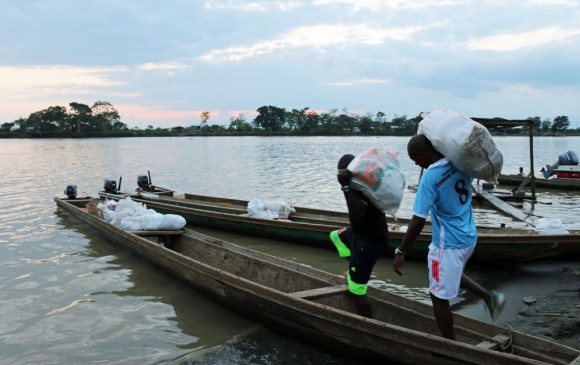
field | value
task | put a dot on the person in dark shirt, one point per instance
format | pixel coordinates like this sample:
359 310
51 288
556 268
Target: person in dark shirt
363 242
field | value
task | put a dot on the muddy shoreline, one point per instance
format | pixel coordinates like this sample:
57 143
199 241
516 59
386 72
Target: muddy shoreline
555 314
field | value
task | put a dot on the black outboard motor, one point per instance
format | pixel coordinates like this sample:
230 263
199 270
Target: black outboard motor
569 158
143 182
71 191
110 186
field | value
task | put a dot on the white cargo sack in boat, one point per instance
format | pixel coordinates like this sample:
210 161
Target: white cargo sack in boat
550 226
280 207
466 143
172 222
257 209
376 173
132 216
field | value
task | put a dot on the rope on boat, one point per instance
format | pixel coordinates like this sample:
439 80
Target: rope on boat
509 344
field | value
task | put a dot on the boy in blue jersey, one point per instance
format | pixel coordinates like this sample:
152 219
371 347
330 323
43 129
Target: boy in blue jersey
445 193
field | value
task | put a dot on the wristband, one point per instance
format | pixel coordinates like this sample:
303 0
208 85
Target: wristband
399 252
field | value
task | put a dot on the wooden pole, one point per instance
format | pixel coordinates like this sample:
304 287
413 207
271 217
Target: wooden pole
531 127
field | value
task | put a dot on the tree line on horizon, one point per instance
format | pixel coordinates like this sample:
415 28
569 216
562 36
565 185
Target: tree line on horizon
102 119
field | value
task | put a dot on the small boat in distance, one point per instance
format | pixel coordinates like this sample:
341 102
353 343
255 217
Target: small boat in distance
314 306
562 175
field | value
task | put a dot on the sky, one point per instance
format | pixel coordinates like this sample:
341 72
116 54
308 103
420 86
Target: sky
163 63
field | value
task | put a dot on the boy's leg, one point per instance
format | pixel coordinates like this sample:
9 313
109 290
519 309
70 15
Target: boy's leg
443 317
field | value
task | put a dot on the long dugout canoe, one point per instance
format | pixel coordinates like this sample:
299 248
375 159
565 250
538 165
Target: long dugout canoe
313 226
314 306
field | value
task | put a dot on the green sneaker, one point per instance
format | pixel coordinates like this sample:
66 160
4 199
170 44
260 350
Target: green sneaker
496 304
343 251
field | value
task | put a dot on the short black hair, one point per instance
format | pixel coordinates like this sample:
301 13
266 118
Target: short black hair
344 161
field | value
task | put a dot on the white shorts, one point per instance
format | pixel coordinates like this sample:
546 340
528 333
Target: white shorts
445 270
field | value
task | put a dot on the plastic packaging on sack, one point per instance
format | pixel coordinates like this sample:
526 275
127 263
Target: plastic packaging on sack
280 207
550 226
132 216
257 209
466 143
376 173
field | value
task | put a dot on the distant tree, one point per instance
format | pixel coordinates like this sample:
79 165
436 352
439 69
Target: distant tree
239 124
546 124
270 118
366 124
105 117
7 126
536 123
204 118
345 122
81 116
560 123
380 117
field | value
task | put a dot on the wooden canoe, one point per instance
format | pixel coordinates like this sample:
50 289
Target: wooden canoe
314 305
553 183
313 226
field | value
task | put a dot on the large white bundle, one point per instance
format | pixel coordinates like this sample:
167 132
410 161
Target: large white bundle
131 223
280 207
257 209
376 173
172 222
132 216
466 143
152 221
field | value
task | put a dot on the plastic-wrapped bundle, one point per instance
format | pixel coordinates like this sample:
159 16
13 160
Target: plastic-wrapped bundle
466 143
376 173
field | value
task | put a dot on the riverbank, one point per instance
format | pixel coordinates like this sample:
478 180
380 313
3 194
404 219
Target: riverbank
554 312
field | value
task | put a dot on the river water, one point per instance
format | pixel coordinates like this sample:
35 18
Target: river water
69 297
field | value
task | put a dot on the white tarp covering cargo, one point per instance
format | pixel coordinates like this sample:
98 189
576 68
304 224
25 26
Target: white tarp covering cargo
376 173
466 143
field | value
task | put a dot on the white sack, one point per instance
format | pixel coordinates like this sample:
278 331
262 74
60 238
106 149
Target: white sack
376 173
131 223
172 222
466 143
280 207
257 209
152 221
550 226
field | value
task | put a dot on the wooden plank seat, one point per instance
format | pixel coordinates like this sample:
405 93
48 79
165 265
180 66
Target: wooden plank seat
496 342
157 233
321 292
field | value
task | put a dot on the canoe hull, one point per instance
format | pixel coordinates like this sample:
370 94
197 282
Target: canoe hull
554 183
315 306
313 226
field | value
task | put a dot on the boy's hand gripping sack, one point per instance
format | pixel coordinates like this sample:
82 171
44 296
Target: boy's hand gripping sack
466 143
376 173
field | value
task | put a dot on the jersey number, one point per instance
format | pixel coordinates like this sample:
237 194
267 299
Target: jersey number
462 192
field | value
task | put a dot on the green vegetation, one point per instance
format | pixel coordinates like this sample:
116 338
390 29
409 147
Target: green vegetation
103 120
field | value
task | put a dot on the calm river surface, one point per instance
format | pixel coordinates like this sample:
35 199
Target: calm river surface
69 297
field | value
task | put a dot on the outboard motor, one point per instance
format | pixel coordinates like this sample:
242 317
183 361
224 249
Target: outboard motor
569 158
110 186
143 182
71 191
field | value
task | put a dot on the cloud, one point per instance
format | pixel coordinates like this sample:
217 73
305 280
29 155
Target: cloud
516 41
394 4
22 82
318 37
358 82
253 6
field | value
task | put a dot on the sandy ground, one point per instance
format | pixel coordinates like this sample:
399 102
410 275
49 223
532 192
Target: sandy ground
555 314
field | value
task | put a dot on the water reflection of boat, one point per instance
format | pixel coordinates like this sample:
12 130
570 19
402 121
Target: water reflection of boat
314 305
190 311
